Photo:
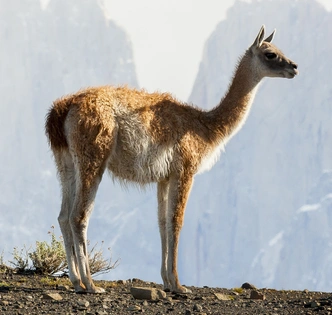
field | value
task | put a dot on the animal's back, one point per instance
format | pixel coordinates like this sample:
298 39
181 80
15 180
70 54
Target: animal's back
98 98
131 123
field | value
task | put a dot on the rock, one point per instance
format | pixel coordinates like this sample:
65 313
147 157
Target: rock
83 303
52 296
222 297
121 282
314 304
153 294
18 305
134 308
255 295
248 285
135 280
4 303
107 300
198 308
4 288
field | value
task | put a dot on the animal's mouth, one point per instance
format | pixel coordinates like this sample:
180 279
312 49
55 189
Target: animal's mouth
291 73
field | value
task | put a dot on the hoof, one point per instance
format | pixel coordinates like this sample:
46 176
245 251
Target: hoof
80 289
94 290
182 289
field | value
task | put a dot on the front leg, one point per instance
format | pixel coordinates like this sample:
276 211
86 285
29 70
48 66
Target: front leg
162 193
178 194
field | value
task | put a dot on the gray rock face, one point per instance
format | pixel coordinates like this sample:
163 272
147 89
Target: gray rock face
238 210
48 53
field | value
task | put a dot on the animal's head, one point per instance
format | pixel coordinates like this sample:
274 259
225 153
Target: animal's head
269 61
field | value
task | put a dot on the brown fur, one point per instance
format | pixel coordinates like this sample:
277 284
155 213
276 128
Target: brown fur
143 138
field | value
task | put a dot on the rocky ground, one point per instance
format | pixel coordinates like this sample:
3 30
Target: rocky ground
33 294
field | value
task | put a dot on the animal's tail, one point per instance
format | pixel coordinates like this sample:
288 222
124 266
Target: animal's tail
54 125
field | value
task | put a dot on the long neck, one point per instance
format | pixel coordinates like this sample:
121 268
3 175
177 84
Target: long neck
229 116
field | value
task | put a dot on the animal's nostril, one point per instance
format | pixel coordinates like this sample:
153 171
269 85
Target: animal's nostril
294 65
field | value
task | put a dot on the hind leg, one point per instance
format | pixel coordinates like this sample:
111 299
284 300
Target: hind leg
67 176
79 180
89 173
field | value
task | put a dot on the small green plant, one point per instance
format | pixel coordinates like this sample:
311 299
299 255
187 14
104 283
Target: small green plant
4 284
20 259
2 263
238 290
98 264
49 258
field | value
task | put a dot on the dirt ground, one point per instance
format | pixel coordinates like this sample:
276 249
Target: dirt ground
34 294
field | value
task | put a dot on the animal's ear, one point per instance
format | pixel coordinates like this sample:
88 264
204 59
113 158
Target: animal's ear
270 38
259 39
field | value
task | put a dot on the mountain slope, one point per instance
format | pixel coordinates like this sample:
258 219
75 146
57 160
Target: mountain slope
46 54
270 167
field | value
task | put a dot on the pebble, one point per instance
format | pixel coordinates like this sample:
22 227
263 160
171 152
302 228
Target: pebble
255 295
152 294
198 308
221 296
134 308
314 304
83 303
52 296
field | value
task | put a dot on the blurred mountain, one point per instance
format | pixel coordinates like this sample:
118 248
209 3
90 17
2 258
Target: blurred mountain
301 253
271 166
46 54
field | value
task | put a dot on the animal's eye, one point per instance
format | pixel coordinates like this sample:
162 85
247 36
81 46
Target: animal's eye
270 55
